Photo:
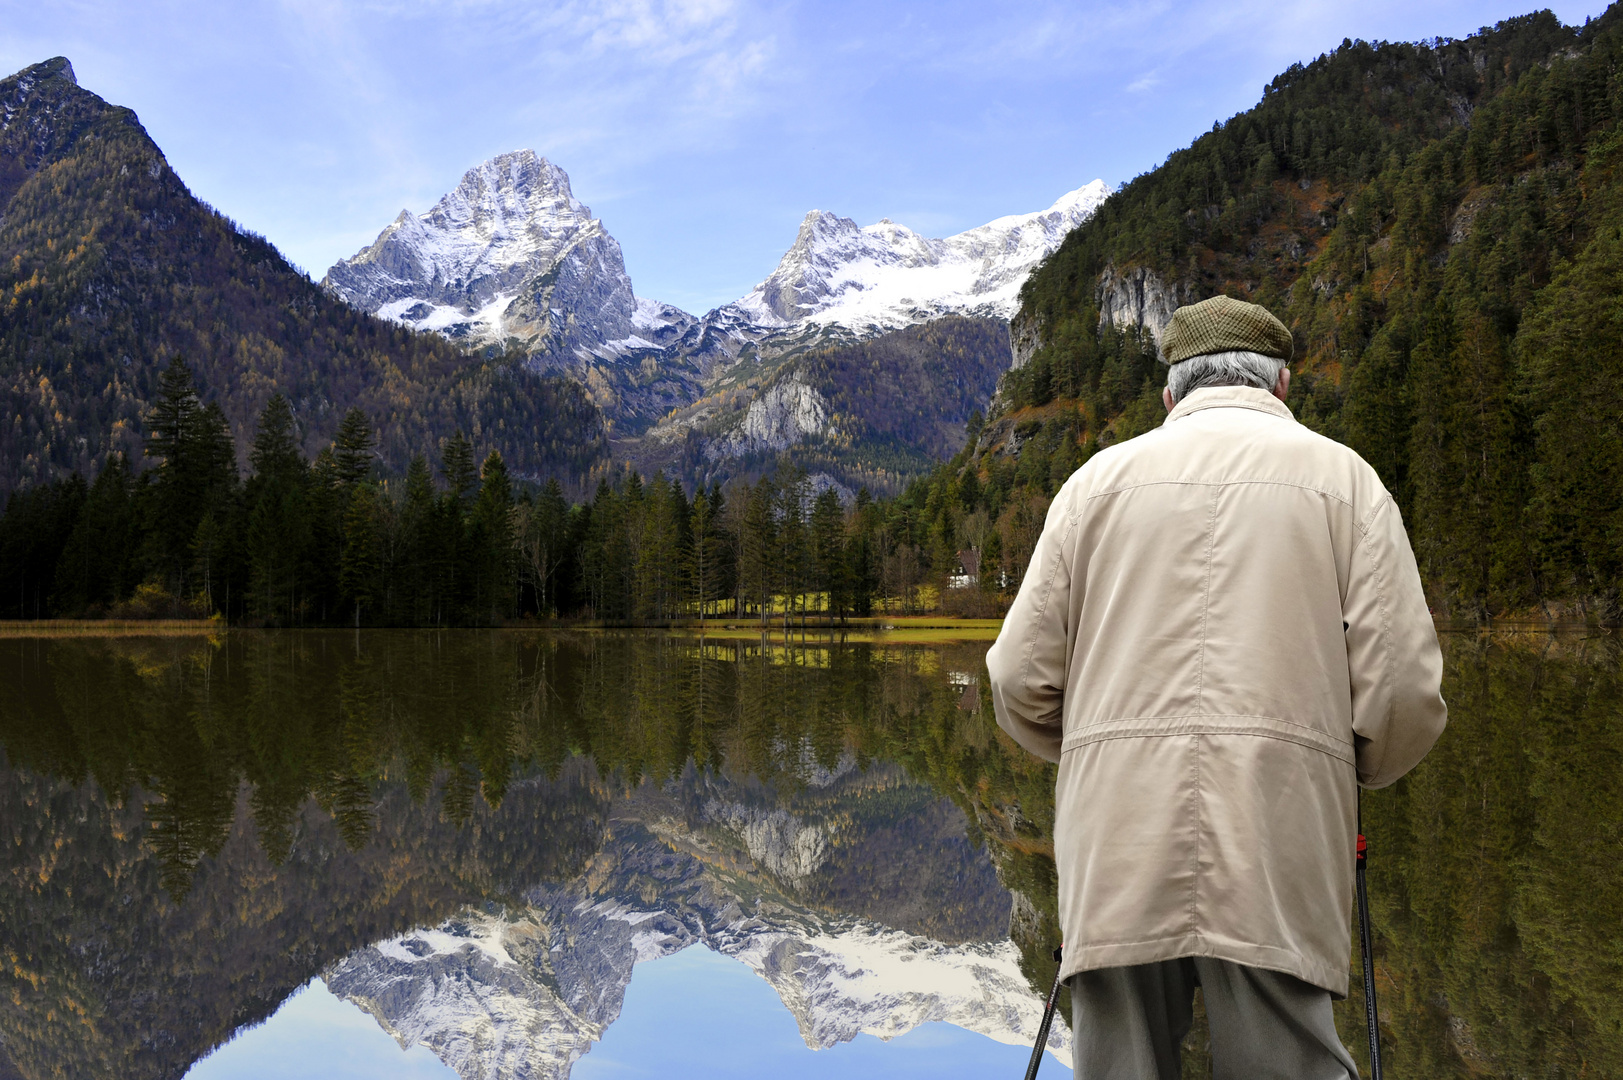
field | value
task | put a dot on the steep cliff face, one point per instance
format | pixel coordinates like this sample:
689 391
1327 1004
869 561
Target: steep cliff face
1025 338
875 412
1137 297
784 414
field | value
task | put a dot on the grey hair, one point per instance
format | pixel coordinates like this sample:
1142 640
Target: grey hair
1237 368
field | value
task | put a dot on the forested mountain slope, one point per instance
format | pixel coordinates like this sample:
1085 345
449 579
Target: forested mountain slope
876 413
1441 225
110 267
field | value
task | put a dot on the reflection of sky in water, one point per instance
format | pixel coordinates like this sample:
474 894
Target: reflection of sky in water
692 1014
316 1035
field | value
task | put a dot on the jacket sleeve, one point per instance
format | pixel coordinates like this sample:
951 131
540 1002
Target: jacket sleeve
1392 653
1027 663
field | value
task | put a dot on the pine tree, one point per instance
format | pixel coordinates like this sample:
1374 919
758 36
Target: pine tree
360 562
352 447
173 417
757 544
542 541
278 516
703 555
327 506
417 561
98 565
456 465
828 552
793 550
197 475
493 532
275 454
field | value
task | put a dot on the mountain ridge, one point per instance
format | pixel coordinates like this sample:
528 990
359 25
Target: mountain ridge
510 259
110 267
1433 222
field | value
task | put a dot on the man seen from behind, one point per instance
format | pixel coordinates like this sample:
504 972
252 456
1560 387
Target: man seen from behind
1220 637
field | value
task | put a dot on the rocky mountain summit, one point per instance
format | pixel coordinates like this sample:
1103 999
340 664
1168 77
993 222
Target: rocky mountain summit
112 268
883 276
510 256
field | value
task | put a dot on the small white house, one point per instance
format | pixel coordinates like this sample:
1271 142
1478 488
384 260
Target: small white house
966 570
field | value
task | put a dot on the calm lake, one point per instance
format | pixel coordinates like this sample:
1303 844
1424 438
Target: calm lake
591 855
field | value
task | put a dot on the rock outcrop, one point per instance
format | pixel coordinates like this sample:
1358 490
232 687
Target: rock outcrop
1137 297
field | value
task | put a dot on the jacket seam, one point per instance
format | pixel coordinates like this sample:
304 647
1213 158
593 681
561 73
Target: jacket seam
1368 522
1200 826
1336 495
1042 611
1280 736
1205 715
1206 605
1379 578
1279 412
1200 704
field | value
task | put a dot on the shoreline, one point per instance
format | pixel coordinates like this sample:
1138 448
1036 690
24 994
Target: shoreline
895 628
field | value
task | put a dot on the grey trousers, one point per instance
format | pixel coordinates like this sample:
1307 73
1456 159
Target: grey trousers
1130 1022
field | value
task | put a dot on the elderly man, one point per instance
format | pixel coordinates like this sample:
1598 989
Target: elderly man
1220 636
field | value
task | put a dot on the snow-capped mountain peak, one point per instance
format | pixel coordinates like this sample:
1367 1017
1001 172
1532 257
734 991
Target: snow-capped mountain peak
507 256
886 275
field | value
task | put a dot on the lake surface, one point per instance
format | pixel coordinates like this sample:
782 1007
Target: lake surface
515 854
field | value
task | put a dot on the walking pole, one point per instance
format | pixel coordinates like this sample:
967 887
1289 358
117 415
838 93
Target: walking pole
1371 1015
1048 1020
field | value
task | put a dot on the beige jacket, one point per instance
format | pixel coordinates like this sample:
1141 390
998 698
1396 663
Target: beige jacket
1221 622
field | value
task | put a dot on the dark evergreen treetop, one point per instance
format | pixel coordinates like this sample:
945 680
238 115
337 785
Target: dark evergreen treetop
352 447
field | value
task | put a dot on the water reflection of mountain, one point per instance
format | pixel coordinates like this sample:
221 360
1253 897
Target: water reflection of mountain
195 830
199 829
523 991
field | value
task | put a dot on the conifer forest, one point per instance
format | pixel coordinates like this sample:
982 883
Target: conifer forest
455 541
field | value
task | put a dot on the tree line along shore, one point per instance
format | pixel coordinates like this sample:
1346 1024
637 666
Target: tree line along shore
190 542
459 541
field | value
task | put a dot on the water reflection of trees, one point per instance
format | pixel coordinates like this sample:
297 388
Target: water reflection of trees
1496 879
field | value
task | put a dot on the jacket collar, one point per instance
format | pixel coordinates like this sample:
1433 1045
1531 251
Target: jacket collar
1233 397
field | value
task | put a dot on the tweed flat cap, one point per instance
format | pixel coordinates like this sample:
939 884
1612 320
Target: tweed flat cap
1223 324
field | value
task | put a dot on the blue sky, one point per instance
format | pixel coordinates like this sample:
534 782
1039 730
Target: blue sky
700 131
